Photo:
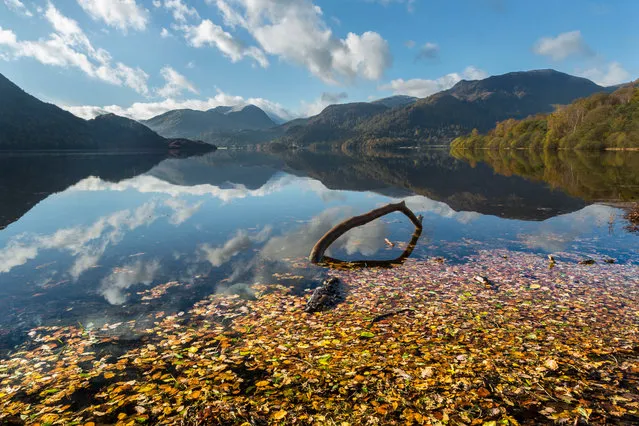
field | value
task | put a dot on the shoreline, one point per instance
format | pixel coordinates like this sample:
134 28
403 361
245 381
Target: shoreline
525 349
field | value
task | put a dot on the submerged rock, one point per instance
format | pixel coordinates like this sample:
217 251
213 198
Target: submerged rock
325 297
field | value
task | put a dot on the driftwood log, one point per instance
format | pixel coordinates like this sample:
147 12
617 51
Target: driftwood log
317 254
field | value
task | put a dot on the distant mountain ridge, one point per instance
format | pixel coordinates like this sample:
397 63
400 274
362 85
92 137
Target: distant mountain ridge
396 101
439 118
333 123
26 123
207 125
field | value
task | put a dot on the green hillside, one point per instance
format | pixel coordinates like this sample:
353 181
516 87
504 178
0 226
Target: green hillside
598 122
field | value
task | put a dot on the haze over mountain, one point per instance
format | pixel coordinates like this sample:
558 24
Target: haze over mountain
445 115
207 125
26 123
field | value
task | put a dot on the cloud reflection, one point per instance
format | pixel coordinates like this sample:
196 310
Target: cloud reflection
87 244
113 287
560 232
241 241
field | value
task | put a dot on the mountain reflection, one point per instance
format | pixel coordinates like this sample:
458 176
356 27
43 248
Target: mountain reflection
27 179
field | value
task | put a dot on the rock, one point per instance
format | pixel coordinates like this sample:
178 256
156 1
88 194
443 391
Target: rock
587 262
481 279
324 297
609 261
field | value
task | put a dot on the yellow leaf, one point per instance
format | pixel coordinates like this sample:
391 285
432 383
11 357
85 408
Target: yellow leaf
534 287
551 364
121 416
195 395
261 384
109 375
280 415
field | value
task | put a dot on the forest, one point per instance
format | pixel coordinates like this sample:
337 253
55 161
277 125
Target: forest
599 122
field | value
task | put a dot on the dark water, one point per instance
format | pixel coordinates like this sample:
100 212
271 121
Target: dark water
93 238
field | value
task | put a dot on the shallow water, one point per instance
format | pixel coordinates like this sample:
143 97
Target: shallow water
87 238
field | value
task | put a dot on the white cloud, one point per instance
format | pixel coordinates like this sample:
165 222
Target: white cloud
18 7
121 14
428 51
208 33
146 110
422 88
318 105
410 4
180 11
295 31
68 47
563 46
176 83
612 75
410 44
165 33
7 38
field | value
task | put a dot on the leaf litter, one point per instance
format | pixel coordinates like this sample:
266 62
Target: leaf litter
532 345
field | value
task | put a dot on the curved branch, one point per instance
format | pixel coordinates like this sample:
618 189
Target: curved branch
317 254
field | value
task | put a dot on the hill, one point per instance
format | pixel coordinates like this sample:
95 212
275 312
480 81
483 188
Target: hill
396 101
479 104
439 118
26 123
601 121
335 122
207 125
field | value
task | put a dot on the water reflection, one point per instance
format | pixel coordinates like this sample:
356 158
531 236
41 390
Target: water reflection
591 176
98 242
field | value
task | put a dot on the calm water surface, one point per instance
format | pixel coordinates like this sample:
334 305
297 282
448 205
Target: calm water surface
88 238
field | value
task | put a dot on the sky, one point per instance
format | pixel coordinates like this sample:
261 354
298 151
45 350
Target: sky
140 58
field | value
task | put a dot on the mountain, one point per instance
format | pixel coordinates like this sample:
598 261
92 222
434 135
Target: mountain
439 118
396 101
208 125
601 121
480 104
335 122
26 123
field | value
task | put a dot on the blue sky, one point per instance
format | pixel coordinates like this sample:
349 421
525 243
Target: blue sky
293 57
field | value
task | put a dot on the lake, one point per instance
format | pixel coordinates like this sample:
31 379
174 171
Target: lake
97 239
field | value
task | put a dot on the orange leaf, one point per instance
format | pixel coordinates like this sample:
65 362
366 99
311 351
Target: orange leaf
483 392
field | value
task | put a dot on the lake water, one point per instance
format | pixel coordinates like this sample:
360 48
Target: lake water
94 239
